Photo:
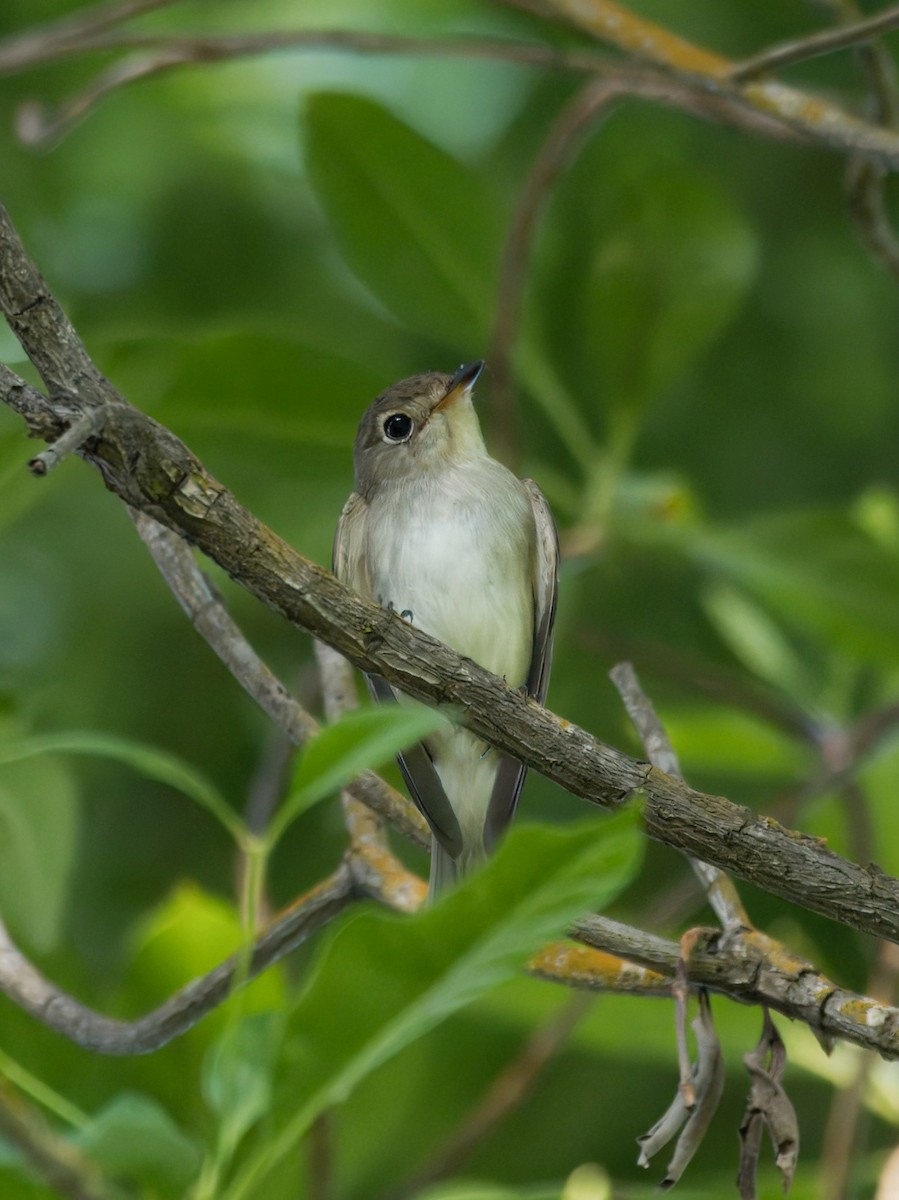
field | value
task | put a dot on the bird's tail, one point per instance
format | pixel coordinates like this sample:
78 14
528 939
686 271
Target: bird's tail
446 871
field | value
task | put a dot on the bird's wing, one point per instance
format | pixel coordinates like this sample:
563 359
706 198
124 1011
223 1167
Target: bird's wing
422 780
350 566
510 773
546 586
347 554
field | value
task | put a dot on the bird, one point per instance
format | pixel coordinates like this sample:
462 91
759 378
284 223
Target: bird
456 544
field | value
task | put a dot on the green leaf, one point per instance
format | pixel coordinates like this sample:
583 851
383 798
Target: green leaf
237 1076
733 743
39 811
364 738
204 384
187 934
155 764
757 640
663 284
419 228
134 1137
385 981
818 570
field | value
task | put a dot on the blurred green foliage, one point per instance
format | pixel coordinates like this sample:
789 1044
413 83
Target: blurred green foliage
706 392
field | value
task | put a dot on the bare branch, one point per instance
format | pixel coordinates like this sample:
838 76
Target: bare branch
815 118
587 106
156 55
750 967
816 44
211 619
86 426
70 34
376 870
150 469
507 1093
28 988
58 1163
720 889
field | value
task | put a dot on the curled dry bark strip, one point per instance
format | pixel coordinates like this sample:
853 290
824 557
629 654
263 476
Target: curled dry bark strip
768 1107
692 1121
151 470
751 968
681 990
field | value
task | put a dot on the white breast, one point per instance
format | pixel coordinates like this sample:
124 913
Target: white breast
456 554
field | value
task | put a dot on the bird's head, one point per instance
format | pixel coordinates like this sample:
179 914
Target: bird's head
425 423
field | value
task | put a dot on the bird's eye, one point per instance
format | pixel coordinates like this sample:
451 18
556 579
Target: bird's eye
398 427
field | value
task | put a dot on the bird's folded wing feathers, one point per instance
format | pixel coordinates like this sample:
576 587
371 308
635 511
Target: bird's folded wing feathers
423 781
347 556
510 774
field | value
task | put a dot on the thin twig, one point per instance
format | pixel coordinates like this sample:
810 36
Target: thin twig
149 56
320 1158
816 44
70 34
815 118
748 966
175 50
720 889
86 426
508 1092
551 160
56 1162
376 870
27 987
866 180
590 105
214 623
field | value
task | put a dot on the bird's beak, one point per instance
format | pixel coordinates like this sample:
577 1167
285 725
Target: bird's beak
460 384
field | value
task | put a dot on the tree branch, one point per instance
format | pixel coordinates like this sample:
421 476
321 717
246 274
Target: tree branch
28 988
70 34
816 44
722 894
211 619
750 967
151 470
815 118
152 55
56 1162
